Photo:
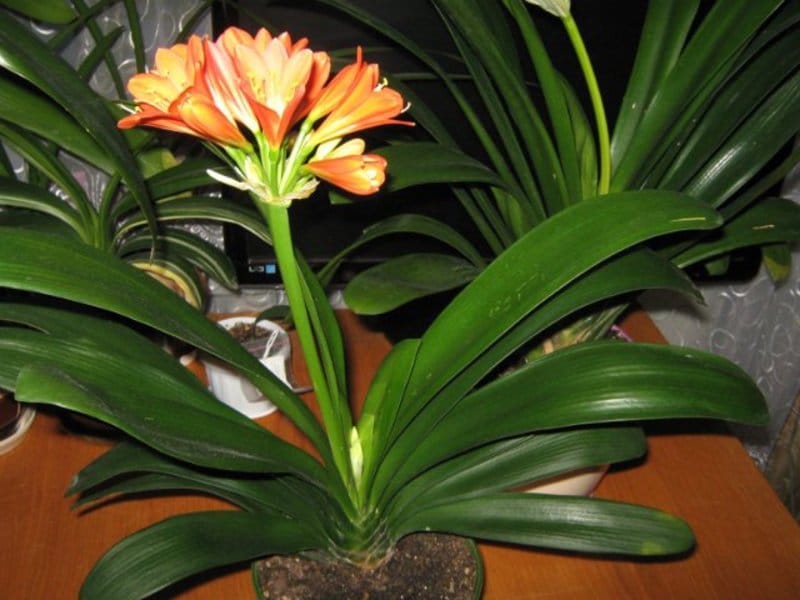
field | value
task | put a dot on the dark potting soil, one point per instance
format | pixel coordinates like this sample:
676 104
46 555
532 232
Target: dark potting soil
424 566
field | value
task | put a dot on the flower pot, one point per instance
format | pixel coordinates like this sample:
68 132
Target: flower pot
424 565
15 420
270 343
577 483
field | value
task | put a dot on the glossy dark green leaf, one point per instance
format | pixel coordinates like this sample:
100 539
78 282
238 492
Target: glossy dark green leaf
37 221
585 147
397 281
168 552
509 464
108 475
175 242
664 33
57 267
48 164
55 12
99 52
37 114
773 124
777 259
102 333
25 55
730 110
418 163
537 142
186 176
629 273
510 158
412 224
18 194
535 268
726 29
770 221
594 382
564 523
208 209
383 402
176 417
555 94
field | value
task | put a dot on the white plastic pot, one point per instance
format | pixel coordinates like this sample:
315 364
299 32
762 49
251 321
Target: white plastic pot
236 391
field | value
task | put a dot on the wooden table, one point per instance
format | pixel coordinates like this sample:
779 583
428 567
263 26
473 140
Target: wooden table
748 544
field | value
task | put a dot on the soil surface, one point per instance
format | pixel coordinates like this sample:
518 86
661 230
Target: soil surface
423 567
243 332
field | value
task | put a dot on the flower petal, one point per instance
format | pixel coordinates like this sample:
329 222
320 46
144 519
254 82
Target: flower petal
362 174
205 119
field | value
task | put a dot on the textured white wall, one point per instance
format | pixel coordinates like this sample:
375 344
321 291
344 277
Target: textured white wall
756 325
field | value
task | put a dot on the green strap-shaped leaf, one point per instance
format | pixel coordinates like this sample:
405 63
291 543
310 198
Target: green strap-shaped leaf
25 55
37 221
724 32
18 194
204 208
747 90
61 268
770 221
108 474
562 523
175 416
382 404
55 12
168 552
418 163
179 243
555 96
752 145
42 160
593 382
468 18
37 114
407 224
626 274
400 280
100 332
536 267
512 463
186 176
99 52
664 33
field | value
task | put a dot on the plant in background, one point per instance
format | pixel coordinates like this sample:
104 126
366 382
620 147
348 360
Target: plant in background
709 108
439 442
63 133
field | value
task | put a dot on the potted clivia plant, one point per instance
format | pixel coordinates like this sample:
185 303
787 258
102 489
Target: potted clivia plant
440 443
709 109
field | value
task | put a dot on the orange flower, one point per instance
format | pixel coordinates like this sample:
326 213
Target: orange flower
338 89
356 102
348 168
174 97
276 77
222 82
247 92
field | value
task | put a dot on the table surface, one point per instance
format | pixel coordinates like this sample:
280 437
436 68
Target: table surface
748 545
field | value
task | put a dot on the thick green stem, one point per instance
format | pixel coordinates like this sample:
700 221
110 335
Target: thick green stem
278 219
597 102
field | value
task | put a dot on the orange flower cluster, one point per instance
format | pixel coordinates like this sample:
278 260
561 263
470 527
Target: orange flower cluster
248 94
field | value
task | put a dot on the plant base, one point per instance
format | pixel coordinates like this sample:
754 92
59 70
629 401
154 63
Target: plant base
423 566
